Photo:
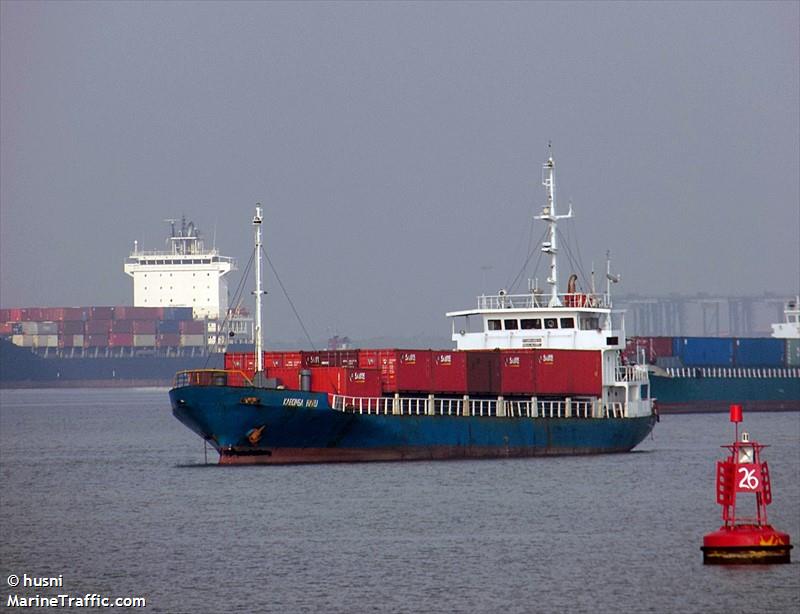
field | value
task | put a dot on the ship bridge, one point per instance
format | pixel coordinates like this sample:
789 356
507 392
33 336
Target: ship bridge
504 321
186 274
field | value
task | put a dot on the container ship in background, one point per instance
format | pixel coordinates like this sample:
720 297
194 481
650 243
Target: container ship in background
707 374
532 374
180 320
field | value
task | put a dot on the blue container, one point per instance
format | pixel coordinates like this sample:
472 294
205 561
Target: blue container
168 326
177 313
763 352
704 351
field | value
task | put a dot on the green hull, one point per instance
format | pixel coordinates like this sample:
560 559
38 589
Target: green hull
690 394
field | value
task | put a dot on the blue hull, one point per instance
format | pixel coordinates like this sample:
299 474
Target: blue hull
256 425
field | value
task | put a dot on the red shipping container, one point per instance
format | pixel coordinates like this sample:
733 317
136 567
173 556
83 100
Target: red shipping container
653 348
192 327
273 360
517 372
292 359
290 378
137 313
122 312
70 327
449 372
346 381
33 314
6 328
92 341
326 379
568 372
347 358
74 313
330 358
97 327
60 314
387 368
368 359
240 361
5 315
361 382
116 340
662 346
16 314
168 340
311 359
483 372
406 370
121 326
143 327
101 313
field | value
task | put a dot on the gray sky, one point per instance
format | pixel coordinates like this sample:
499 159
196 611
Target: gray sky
397 147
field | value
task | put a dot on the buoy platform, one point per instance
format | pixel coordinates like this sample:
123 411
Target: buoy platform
744 540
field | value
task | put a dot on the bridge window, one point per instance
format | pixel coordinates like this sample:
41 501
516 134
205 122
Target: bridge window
511 324
590 323
494 325
567 322
531 323
551 322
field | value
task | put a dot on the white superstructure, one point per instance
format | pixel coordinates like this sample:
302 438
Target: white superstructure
184 275
790 327
553 320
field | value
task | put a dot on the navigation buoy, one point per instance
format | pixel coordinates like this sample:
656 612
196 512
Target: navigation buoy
740 539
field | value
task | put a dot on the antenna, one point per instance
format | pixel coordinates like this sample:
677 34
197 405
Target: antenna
610 279
551 217
257 219
169 242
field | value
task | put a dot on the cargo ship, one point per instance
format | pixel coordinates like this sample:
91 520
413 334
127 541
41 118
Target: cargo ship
531 374
180 319
708 374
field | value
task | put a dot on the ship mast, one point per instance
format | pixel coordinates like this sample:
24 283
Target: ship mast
258 292
549 215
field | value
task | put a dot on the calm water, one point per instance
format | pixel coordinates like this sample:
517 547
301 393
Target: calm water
106 488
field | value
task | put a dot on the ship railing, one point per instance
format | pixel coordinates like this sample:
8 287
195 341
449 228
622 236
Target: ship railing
734 372
631 373
362 405
538 301
616 409
431 406
211 377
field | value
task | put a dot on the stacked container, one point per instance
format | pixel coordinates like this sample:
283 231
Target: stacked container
760 352
483 372
449 371
348 381
330 358
703 351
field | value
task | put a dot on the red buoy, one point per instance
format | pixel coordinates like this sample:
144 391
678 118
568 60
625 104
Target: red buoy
744 539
